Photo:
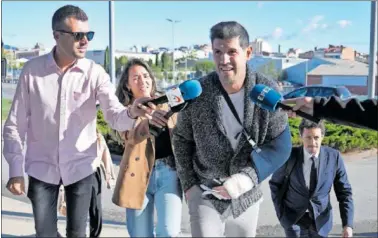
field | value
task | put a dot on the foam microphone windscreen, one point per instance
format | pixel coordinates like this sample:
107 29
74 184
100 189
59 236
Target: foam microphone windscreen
265 97
269 99
190 89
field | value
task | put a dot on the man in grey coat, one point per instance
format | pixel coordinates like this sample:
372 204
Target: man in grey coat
219 168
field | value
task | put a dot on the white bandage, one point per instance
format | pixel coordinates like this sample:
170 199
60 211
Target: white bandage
238 184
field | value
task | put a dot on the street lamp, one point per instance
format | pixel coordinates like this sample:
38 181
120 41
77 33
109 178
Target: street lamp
173 43
111 43
373 50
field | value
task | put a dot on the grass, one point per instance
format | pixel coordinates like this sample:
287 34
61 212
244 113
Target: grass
5 107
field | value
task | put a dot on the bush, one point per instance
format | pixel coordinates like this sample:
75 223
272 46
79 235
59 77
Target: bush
109 135
342 138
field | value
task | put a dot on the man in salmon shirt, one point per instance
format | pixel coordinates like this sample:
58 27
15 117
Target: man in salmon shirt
54 110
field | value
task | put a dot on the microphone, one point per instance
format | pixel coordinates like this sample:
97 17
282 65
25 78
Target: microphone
269 99
178 94
155 131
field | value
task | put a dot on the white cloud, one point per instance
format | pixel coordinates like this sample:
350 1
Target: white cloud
324 26
260 4
277 33
344 23
313 24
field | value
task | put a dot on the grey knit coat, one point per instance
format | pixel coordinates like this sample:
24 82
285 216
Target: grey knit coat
202 149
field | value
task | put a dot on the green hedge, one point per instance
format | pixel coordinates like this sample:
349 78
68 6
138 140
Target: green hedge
108 133
5 107
342 138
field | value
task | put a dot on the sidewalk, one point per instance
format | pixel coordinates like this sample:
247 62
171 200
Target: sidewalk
17 214
17 221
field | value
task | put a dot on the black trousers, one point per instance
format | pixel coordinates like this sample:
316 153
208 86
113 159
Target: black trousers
95 208
44 199
304 228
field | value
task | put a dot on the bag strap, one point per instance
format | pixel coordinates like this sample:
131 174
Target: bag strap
233 110
288 170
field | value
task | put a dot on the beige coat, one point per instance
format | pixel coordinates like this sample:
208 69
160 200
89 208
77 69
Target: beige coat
137 163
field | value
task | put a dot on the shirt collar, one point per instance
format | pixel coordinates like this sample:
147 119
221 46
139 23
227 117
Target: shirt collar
307 155
81 64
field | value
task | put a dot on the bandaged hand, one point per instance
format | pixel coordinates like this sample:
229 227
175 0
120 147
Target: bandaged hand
238 184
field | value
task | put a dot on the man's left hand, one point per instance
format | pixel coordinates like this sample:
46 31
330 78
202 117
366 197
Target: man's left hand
137 109
222 191
347 232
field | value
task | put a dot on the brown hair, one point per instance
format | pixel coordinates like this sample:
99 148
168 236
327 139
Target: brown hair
125 96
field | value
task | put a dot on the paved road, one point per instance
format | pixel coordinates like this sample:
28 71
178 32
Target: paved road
8 90
362 174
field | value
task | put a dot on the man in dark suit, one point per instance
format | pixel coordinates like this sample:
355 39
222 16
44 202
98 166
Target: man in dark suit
305 208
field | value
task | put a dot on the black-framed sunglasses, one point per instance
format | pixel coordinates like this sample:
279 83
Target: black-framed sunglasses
79 35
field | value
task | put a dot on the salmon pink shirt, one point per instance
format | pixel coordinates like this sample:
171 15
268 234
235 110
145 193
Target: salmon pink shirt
54 114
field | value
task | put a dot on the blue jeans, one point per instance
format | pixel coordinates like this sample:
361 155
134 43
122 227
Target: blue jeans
165 193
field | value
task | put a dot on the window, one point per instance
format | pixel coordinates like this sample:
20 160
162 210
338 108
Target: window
343 93
322 92
297 93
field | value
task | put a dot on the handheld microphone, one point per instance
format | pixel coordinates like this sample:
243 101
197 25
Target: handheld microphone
269 99
155 131
178 94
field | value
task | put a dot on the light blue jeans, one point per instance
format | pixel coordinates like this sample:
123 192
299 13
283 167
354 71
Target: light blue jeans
165 193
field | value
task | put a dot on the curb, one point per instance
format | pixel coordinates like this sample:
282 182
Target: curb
360 154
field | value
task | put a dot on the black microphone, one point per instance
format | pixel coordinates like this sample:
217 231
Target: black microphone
267 98
156 131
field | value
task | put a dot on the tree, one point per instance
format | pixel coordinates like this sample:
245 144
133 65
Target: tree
150 62
123 60
2 50
205 66
157 63
120 64
156 70
192 55
166 61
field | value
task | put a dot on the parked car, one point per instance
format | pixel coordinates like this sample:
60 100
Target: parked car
319 90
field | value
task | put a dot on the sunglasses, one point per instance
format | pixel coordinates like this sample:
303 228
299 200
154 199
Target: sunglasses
78 36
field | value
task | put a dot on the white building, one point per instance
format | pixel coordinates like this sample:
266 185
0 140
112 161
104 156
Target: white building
259 46
201 54
98 56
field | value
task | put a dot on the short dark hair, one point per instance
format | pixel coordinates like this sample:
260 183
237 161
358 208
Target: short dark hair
306 124
65 12
228 30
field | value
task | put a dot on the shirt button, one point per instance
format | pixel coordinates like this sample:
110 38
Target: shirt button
132 174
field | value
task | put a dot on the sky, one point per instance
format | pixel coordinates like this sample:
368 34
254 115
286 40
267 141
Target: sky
295 24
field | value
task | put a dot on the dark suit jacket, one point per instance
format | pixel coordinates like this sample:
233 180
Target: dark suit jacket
295 202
